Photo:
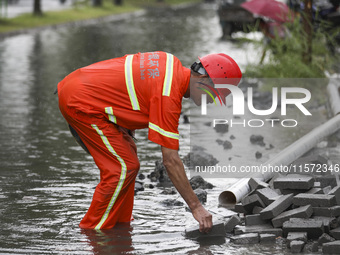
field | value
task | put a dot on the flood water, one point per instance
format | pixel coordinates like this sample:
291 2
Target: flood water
47 181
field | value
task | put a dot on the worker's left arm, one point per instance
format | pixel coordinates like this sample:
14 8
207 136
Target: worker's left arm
176 172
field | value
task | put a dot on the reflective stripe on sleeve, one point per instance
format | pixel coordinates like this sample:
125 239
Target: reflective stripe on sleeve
129 82
109 112
168 74
163 132
121 179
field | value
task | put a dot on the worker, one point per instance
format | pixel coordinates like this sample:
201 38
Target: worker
104 103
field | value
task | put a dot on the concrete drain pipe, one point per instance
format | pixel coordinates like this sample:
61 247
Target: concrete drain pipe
240 189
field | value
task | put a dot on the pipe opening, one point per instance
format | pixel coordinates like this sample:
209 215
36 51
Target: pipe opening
227 198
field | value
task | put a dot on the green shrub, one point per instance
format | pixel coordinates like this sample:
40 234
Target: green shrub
285 55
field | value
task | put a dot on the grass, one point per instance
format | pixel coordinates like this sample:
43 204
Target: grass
78 12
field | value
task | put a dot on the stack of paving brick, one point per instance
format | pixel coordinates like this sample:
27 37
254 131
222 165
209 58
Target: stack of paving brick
303 209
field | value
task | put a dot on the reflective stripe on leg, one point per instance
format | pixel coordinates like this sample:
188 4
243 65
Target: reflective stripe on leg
121 179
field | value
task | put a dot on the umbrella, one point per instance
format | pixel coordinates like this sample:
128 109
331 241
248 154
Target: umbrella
271 9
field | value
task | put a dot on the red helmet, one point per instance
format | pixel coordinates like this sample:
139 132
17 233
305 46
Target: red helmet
219 67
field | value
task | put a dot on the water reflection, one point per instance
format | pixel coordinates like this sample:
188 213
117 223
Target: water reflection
111 241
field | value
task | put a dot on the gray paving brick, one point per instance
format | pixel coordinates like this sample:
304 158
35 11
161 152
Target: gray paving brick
333 211
326 190
277 207
231 223
267 195
293 191
257 209
314 228
315 191
315 200
300 212
217 230
328 222
336 192
296 236
250 201
267 238
250 238
331 247
260 229
311 246
294 181
254 219
326 181
255 184
296 246
335 233
325 238
239 208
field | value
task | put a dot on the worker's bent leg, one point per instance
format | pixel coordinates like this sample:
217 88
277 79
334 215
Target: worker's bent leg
114 152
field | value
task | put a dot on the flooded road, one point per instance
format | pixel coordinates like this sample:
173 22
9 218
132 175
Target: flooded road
47 181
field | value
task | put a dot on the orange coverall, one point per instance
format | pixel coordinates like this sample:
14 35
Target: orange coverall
143 90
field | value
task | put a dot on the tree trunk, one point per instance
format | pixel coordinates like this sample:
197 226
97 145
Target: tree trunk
37 8
307 19
118 2
97 3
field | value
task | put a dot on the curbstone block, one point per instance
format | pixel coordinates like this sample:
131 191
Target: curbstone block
336 192
300 212
315 200
239 208
250 238
257 209
217 230
293 191
314 228
296 246
326 181
231 223
331 247
325 238
312 246
333 211
294 181
296 236
267 195
267 238
260 229
326 190
328 222
254 219
315 191
335 233
277 207
249 202
255 184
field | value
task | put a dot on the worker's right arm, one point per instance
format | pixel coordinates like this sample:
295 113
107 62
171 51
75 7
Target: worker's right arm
176 172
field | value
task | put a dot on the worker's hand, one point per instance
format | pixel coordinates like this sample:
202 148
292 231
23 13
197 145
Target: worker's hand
204 219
